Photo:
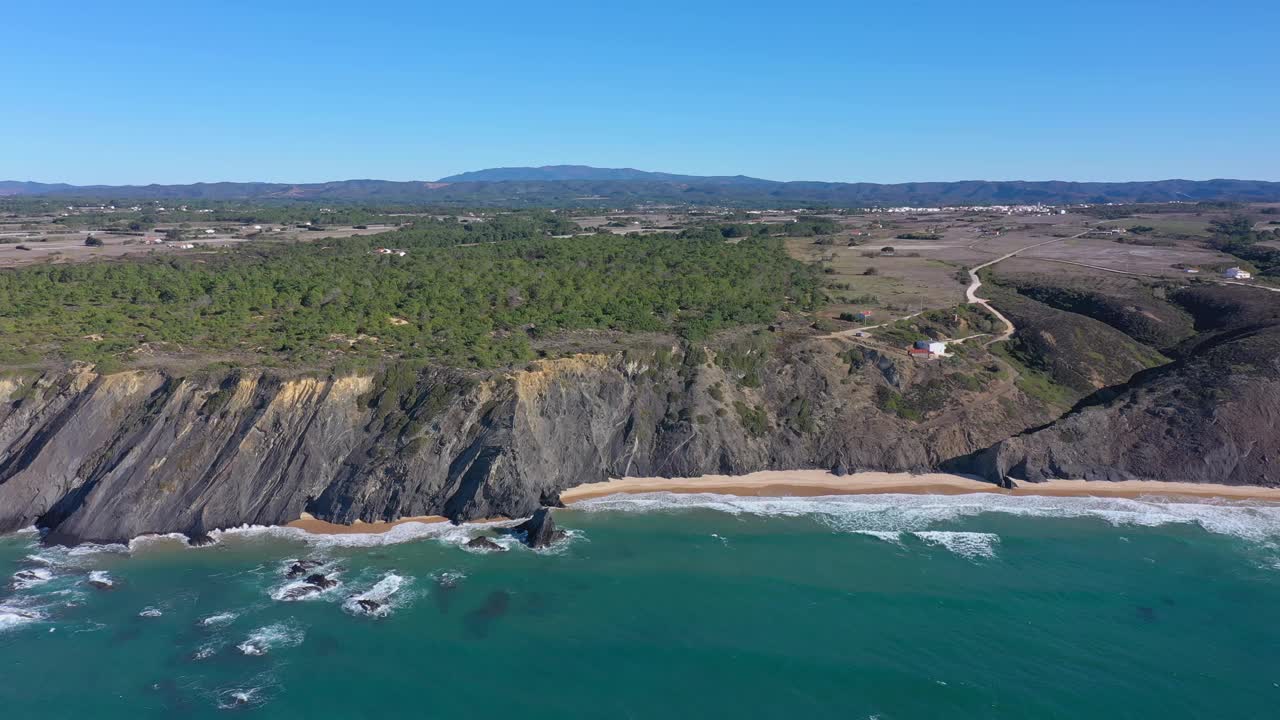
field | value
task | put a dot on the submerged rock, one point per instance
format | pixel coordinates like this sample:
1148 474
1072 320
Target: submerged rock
539 530
200 540
299 592
486 544
101 580
320 581
32 576
368 606
301 567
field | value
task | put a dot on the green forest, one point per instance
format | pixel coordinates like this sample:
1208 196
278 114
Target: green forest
477 294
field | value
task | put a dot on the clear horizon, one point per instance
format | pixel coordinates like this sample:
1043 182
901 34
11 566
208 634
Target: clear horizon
146 93
431 180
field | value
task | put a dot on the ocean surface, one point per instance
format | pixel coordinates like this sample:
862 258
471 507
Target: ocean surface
673 606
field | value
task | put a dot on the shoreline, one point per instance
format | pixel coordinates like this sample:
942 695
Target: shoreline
308 523
814 483
810 483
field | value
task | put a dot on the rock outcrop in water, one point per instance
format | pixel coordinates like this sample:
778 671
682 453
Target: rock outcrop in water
540 530
108 457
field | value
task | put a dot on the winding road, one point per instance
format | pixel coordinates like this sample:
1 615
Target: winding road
971 292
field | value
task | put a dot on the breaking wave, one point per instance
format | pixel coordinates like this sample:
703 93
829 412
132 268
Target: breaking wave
270 637
380 600
13 617
31 577
444 532
887 516
218 620
966 544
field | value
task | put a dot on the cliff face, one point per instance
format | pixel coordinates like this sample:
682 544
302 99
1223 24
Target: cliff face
109 457
1210 416
1210 419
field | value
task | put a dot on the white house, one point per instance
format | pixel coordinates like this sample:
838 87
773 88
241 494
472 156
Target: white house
937 348
1236 273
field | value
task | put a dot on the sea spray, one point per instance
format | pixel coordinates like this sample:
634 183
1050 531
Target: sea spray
896 513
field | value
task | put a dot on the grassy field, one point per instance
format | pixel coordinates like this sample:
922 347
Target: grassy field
1184 225
899 283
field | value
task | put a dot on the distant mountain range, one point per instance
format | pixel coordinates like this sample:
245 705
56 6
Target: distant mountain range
580 185
559 173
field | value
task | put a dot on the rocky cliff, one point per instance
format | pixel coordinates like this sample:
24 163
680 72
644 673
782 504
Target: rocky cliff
109 457
1211 415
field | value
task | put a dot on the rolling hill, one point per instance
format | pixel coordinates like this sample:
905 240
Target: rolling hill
578 185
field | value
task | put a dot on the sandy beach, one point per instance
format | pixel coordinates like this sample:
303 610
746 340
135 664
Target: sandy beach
778 483
321 527
810 483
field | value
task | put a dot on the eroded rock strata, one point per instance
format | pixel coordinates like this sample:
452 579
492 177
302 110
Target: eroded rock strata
108 457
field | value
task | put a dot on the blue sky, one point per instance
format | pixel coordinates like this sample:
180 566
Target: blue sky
139 92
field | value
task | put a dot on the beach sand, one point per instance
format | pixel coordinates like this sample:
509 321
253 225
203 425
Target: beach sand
774 483
810 483
321 527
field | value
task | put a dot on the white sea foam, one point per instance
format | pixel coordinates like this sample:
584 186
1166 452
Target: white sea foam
31 577
561 545
967 544
252 693
270 637
444 532
77 557
384 593
206 651
150 612
300 590
448 578
221 619
14 617
164 540
101 579
89 549
889 536
238 698
892 513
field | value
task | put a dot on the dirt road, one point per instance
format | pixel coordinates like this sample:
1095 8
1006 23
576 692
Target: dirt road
971 292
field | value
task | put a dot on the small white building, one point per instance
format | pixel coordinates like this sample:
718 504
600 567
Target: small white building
937 348
1236 273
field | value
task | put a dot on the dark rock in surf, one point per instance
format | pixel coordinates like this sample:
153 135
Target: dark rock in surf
540 530
200 540
485 544
321 581
368 606
301 567
300 592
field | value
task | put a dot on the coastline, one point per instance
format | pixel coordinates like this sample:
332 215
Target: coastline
809 483
310 524
813 483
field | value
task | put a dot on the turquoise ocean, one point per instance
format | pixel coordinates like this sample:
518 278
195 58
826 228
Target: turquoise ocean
673 606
